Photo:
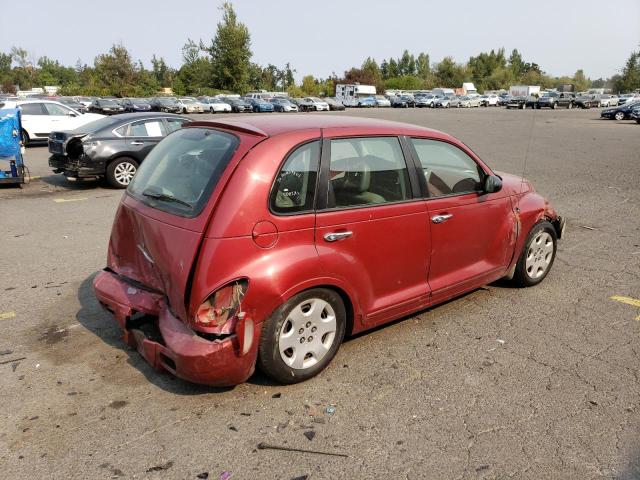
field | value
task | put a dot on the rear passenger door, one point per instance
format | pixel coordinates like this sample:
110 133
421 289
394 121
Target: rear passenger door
473 233
371 227
143 135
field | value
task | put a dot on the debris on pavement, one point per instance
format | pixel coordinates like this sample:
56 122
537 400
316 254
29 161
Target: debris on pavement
266 446
224 475
159 468
203 475
276 395
13 360
310 435
500 341
301 477
330 410
587 227
6 352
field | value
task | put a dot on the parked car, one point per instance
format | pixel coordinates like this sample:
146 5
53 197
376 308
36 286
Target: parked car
587 101
240 244
621 112
86 101
309 104
136 105
427 100
238 105
259 105
626 97
165 104
608 100
190 105
403 101
548 100
367 102
467 101
490 100
382 101
106 106
334 104
503 99
447 102
72 103
635 114
566 100
111 147
282 104
41 117
517 102
214 105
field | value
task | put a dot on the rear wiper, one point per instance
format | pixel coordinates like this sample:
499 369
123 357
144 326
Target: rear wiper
165 197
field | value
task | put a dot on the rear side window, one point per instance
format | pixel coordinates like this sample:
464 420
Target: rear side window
180 173
32 109
175 123
295 186
147 128
447 169
367 171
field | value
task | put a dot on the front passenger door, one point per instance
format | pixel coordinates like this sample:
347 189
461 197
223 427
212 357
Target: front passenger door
472 233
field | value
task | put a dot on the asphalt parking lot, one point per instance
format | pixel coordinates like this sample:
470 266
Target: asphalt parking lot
500 383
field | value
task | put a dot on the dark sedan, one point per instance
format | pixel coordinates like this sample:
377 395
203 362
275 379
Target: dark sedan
106 106
165 104
334 104
587 101
111 147
403 101
237 105
635 114
136 105
623 112
70 102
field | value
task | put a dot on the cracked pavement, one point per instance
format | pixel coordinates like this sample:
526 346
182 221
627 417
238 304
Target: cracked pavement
500 383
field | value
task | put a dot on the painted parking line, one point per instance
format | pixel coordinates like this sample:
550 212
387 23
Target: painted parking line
6 315
63 200
628 301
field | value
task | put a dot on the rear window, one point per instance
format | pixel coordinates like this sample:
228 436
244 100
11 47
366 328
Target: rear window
180 173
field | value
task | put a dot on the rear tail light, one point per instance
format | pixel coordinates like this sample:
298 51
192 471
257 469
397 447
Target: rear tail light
218 313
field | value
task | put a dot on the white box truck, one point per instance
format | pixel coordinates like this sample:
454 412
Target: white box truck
349 94
524 90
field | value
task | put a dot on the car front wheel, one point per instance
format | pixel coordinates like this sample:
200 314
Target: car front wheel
302 336
537 255
121 171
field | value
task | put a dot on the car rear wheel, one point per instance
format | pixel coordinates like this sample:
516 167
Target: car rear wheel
121 171
537 256
302 336
619 116
25 138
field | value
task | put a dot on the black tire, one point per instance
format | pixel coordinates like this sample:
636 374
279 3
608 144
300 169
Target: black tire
523 278
619 116
270 359
554 106
113 174
25 138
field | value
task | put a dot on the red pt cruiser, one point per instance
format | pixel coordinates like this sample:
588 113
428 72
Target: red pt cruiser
267 240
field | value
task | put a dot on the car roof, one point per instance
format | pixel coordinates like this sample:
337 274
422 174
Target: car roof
267 126
123 117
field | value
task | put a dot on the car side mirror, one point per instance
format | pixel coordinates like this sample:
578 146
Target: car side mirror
492 184
71 114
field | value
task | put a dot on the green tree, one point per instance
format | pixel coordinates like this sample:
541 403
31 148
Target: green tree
423 69
629 80
393 68
115 72
230 52
450 74
516 65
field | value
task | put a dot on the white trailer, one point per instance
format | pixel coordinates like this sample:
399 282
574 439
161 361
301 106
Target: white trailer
349 94
524 90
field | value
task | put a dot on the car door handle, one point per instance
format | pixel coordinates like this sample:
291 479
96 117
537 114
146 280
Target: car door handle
137 143
335 236
441 218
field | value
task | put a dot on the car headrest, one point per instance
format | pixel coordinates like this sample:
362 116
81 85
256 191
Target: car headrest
356 178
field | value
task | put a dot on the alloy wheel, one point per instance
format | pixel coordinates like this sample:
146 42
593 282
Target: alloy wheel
124 173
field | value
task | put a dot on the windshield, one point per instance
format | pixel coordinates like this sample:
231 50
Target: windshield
182 170
168 101
138 101
109 103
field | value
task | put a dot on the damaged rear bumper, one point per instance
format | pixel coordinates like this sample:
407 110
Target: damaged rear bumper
83 167
167 344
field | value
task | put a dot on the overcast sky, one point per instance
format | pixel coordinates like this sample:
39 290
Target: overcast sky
328 36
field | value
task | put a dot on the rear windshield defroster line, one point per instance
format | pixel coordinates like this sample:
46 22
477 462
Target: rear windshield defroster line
180 173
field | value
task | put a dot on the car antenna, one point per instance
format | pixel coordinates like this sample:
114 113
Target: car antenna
526 153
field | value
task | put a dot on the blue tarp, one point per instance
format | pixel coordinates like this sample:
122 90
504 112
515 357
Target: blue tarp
10 134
